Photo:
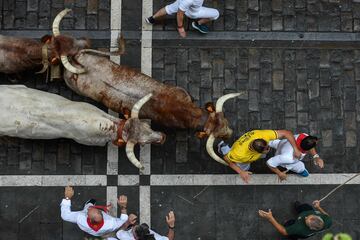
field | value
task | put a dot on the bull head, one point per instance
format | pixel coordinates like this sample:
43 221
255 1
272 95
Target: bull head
56 33
218 126
136 131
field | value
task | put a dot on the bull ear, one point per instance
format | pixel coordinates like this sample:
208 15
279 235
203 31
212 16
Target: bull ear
210 107
201 134
126 113
46 39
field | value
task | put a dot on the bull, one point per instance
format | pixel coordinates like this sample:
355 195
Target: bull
22 54
120 87
34 114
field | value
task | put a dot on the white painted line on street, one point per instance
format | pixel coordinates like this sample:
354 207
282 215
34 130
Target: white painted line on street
52 180
145 204
174 180
112 165
128 180
111 197
256 179
146 68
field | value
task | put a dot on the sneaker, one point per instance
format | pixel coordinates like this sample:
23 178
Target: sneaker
305 173
150 20
92 201
220 145
201 28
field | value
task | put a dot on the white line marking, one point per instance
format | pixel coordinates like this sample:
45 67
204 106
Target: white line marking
52 180
173 180
256 179
145 204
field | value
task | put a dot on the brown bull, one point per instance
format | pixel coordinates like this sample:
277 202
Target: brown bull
119 88
21 54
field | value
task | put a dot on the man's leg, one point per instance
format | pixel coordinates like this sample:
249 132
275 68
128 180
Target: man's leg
167 10
299 168
223 148
204 15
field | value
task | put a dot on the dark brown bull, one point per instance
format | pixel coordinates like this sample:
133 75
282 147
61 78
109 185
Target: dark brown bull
119 88
21 54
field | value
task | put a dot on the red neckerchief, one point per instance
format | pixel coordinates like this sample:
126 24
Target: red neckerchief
97 226
299 140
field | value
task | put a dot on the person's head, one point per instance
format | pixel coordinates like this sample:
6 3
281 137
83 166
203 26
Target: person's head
308 143
260 146
95 215
314 222
142 232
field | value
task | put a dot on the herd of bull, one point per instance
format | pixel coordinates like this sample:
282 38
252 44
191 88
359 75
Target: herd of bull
30 113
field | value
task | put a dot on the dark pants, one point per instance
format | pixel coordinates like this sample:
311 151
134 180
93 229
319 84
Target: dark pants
299 208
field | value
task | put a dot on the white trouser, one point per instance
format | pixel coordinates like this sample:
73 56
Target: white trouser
244 166
284 157
203 12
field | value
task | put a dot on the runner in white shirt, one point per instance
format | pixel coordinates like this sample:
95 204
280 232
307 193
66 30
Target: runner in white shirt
192 9
284 156
142 232
93 219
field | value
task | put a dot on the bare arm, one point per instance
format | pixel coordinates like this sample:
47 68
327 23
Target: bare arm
282 175
268 215
317 160
316 204
290 137
245 175
180 23
280 228
122 202
233 166
170 220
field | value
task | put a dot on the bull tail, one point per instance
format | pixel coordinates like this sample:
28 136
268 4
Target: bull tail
120 51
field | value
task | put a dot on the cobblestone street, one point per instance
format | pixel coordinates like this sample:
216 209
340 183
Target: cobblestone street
297 65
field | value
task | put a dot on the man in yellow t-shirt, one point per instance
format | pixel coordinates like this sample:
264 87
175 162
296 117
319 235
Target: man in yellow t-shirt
251 146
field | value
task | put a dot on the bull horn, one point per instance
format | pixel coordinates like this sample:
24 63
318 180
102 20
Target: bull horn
45 62
220 102
57 20
210 150
69 67
131 155
137 106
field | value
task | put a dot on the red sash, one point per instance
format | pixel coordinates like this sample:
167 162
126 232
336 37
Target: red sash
299 140
97 226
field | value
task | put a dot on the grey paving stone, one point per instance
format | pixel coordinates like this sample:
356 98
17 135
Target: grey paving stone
79 18
278 80
254 79
351 139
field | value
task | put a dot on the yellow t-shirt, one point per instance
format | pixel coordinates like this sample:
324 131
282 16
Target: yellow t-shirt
240 150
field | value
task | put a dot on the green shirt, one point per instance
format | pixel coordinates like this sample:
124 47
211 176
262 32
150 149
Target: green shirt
300 229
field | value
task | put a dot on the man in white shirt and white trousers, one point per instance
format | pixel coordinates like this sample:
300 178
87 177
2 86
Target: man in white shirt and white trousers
93 219
193 9
284 155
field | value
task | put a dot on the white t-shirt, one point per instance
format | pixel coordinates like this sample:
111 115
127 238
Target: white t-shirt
190 6
128 235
